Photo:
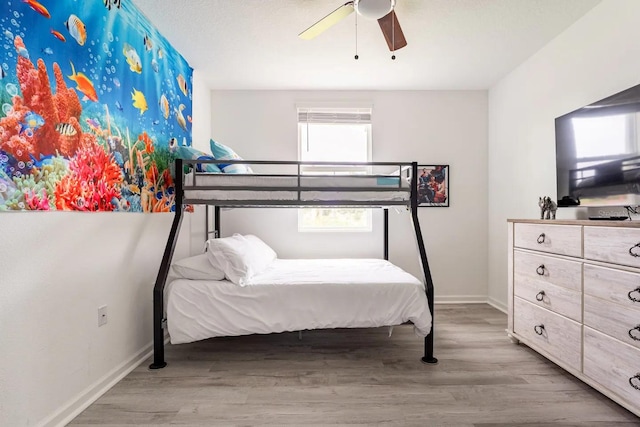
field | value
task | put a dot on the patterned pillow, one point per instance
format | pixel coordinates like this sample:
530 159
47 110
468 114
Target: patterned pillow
191 153
222 152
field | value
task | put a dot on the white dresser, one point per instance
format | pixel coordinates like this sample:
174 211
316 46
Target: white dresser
574 297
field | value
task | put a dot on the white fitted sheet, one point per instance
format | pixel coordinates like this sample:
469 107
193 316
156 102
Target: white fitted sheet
296 295
288 184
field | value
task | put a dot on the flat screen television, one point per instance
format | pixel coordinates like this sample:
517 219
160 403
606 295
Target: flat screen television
598 153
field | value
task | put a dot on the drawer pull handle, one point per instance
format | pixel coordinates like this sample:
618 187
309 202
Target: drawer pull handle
632 253
539 329
541 240
637 384
635 336
540 296
540 270
632 298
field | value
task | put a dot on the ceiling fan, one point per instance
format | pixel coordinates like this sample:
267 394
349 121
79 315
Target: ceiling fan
382 10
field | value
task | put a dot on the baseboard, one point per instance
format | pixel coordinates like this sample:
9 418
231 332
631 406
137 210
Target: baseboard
461 299
471 299
79 403
498 305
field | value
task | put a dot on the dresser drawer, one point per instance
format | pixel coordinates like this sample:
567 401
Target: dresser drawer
557 239
621 287
555 298
612 244
555 334
613 319
528 267
614 365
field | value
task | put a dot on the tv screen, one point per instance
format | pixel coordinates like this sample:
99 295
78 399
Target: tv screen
598 152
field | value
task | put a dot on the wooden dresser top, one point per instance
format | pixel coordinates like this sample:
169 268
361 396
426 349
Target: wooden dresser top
626 223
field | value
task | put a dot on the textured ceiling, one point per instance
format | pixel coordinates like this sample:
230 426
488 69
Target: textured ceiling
452 44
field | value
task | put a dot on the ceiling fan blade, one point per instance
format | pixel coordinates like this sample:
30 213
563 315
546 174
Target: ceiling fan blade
328 21
392 32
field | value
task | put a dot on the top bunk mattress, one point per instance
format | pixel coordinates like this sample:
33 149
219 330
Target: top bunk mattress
299 294
217 186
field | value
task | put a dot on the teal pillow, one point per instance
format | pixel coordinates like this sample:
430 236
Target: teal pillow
190 153
222 152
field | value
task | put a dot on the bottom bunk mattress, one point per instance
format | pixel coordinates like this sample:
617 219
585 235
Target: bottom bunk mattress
293 295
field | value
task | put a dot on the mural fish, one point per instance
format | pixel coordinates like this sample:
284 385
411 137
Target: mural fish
164 106
38 7
66 129
173 144
139 101
119 106
148 44
47 50
160 53
83 84
182 84
3 73
94 126
32 122
58 35
154 65
109 3
180 117
21 48
133 59
44 160
77 29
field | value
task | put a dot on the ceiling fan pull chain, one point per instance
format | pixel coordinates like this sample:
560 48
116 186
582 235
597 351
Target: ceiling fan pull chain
393 34
356 57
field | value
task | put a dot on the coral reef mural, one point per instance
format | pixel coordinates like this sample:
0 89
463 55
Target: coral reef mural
94 102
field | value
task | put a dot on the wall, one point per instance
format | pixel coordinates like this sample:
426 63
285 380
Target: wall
596 57
428 127
58 268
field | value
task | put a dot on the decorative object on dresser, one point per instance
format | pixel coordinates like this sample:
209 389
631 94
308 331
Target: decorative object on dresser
548 207
574 297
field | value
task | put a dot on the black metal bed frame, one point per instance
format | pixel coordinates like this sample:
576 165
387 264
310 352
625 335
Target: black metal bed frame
181 201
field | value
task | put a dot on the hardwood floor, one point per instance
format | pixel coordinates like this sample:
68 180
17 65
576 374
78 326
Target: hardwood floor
359 377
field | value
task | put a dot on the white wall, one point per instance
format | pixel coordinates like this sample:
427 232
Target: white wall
429 127
56 270
596 57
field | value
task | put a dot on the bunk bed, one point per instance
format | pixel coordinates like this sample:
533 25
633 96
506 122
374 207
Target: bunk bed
289 186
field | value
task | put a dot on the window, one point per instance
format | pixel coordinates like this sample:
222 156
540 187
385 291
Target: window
334 135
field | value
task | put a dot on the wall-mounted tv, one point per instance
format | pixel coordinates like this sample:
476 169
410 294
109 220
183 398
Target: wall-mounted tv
598 152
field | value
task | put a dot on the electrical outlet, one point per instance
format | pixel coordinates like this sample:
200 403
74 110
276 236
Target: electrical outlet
102 315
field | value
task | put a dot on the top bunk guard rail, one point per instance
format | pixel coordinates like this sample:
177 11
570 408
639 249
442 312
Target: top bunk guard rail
182 200
298 187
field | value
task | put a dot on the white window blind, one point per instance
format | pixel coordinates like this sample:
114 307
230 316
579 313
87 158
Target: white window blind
334 116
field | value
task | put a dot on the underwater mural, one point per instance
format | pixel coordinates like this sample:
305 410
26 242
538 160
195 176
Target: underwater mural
94 103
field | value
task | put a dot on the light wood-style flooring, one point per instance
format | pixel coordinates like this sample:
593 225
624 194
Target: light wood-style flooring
359 377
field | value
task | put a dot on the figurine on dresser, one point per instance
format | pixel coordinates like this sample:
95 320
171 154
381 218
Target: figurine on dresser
548 208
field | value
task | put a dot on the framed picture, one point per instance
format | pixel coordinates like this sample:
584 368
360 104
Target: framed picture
433 186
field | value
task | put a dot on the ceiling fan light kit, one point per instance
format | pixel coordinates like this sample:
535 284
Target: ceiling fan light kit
380 10
374 9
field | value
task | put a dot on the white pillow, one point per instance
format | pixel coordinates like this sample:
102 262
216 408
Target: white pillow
240 257
197 268
261 254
